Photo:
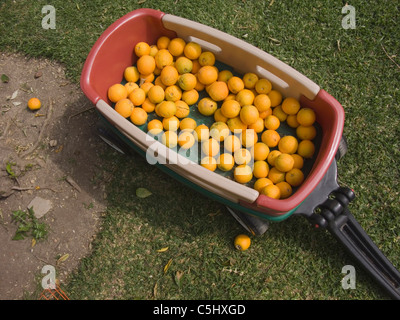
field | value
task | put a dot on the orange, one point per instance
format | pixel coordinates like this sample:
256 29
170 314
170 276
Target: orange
153 50
207 106
262 102
235 84
306 117
242 242
124 107
290 105
196 66
272 122
163 58
306 133
182 109
276 97
285 189
249 114
146 80
276 176
306 149
142 48
218 90
202 133
245 97
117 92
266 113
169 75
207 58
183 65
243 174
187 124
271 191
163 42
263 86
209 163
260 151
210 147
294 177
272 156
138 116
225 162
232 143
35 104
146 64
250 79
158 82
156 94
166 109
190 96
225 75
176 46
148 106
236 125
173 93
278 111
219 117
261 183
248 138
288 144
242 156
130 86
155 127
230 108
186 140
192 50
270 138
298 161
171 123
170 139
207 75
284 162
291 120
257 126
260 169
137 96
131 74
187 81
219 131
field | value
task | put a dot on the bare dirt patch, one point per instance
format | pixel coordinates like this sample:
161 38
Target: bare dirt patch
54 154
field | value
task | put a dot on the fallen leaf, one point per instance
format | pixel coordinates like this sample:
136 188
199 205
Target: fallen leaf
4 78
63 258
166 267
33 243
163 249
178 277
14 95
143 193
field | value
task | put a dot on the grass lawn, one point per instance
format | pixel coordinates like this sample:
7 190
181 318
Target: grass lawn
359 67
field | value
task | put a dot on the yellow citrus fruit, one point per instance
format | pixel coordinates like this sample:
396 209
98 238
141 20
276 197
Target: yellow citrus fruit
124 107
35 104
182 109
242 156
306 149
260 169
209 163
263 86
306 133
291 120
202 133
196 66
146 79
294 177
183 65
225 162
155 127
265 113
207 75
219 131
131 74
163 58
275 97
243 174
249 138
207 106
163 42
236 125
187 124
158 82
186 140
169 75
242 242
148 106
235 84
278 111
138 116
271 191
190 96
270 138
232 143
257 126
173 93
187 81
275 175
230 108
171 123
272 156
219 117
170 139
117 92
272 122
166 109
142 48
153 50
210 147
146 64
284 162
288 144
290 105
207 58
130 86
192 50
250 79
156 94
137 96
218 90
285 189
249 114
262 102
260 151
245 97
306 117
298 161
176 46
225 75
261 183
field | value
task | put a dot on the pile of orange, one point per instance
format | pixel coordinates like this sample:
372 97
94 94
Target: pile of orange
244 139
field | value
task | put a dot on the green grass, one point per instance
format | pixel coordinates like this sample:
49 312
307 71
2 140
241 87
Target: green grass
290 261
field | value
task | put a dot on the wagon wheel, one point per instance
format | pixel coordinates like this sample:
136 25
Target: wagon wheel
342 149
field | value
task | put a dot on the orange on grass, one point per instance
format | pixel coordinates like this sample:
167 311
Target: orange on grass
155 127
235 84
35 104
207 58
138 116
171 123
163 58
276 97
142 48
169 75
242 242
186 140
276 176
306 149
249 114
263 86
190 96
260 169
225 162
187 81
262 102
288 144
272 156
163 42
192 50
218 90
230 108
124 107
210 147
285 189
148 106
207 106
207 75
306 117
243 174
170 139
294 177
187 124
250 79
202 133
173 93
182 109
245 97
209 163
261 183
270 138
232 143
183 65
117 92
156 94
284 162
137 96
306 133
176 46
146 65
166 109
219 131
290 105
131 74
272 122
271 191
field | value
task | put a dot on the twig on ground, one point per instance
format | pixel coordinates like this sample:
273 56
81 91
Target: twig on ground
79 112
391 59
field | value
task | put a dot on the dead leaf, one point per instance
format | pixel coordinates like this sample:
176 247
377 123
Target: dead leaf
63 258
155 290
33 242
166 267
163 249
143 193
178 277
